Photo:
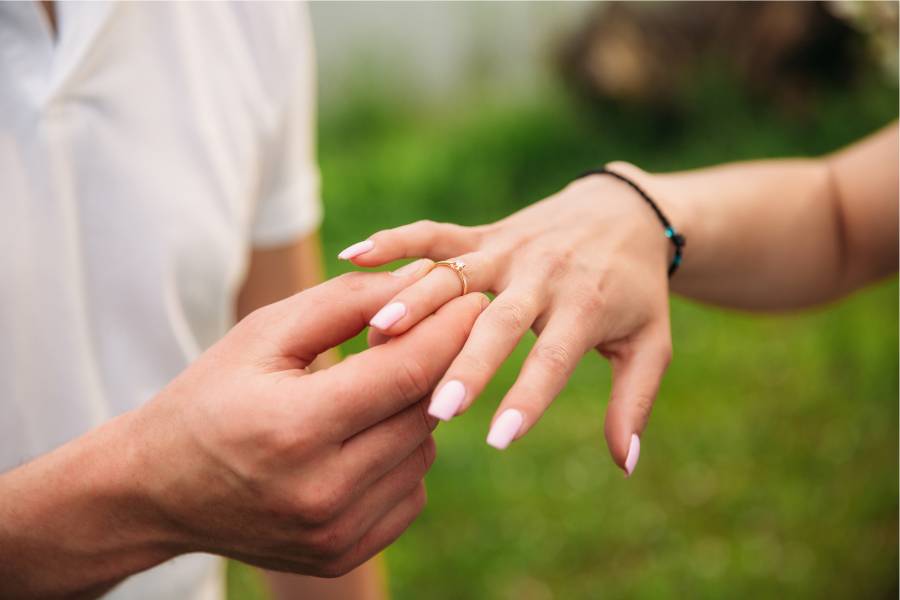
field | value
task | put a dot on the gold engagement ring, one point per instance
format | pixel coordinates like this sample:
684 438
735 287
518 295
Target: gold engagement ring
458 267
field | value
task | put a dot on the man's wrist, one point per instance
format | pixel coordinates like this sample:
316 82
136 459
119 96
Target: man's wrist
77 520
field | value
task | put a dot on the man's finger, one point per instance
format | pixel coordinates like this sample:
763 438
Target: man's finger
373 452
437 241
308 323
387 530
637 374
372 500
377 383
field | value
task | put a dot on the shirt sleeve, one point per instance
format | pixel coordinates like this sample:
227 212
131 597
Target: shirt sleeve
289 206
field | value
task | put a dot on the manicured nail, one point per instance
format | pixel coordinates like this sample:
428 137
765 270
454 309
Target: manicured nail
634 452
447 400
410 268
388 315
505 429
356 249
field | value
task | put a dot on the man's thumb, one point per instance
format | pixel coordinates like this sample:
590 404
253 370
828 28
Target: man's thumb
319 318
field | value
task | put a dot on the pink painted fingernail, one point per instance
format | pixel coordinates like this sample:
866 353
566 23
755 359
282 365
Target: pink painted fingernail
505 429
410 268
388 315
356 249
634 452
447 400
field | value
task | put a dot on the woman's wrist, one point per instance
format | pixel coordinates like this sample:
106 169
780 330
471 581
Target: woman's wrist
653 204
668 196
664 191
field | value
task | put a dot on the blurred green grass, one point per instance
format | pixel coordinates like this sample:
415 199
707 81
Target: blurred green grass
770 466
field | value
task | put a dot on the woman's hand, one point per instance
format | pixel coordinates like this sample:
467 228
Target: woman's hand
585 268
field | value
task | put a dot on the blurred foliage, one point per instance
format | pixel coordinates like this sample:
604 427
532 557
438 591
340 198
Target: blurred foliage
642 52
770 466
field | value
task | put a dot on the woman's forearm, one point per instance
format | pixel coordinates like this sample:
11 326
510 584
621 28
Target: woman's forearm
760 235
782 234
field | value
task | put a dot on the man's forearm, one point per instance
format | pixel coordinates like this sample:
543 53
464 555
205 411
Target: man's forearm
74 523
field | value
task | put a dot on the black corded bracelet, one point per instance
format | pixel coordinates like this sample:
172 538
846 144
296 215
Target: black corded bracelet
676 238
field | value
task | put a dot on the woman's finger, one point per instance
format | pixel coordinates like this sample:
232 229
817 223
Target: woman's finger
493 338
637 374
422 239
544 374
432 291
368 387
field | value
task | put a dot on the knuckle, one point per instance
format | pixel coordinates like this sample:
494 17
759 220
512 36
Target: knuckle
665 353
317 510
427 226
554 356
412 379
334 541
415 502
430 423
468 238
332 570
321 503
643 403
510 316
472 363
480 233
279 441
556 263
659 350
429 453
338 566
352 282
257 321
589 302
326 541
473 237
420 498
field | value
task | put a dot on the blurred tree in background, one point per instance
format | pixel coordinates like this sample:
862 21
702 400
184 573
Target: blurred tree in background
783 53
770 466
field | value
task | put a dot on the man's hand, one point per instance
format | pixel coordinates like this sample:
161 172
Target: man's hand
310 473
248 455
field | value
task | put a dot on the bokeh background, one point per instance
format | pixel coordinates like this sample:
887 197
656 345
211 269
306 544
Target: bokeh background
770 466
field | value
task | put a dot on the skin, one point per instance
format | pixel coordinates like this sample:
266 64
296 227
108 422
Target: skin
586 267
275 274
246 454
49 9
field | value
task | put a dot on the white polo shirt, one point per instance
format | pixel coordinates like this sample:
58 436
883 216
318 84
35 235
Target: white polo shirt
143 152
